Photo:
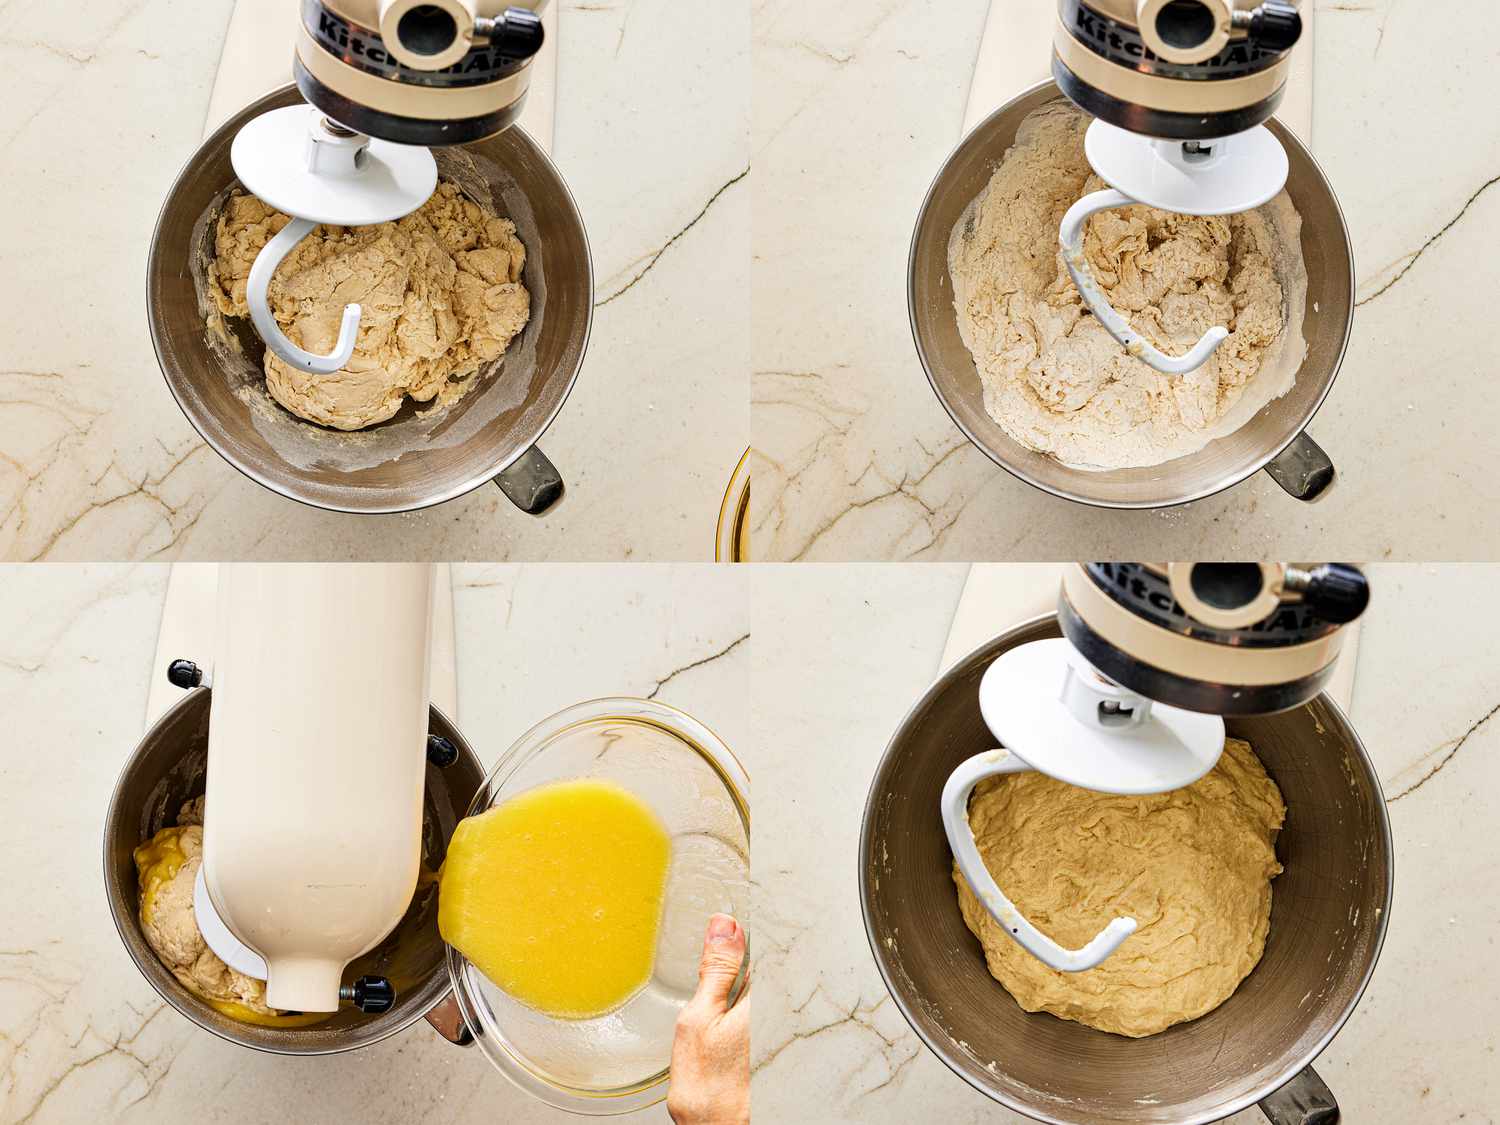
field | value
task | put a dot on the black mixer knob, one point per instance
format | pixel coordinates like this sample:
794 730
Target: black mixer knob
1336 592
514 34
440 752
1276 26
184 674
371 995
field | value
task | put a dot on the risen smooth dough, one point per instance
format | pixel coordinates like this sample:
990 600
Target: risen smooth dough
440 294
1053 378
1193 867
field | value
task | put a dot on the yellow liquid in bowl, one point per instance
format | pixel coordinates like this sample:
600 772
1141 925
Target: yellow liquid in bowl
556 895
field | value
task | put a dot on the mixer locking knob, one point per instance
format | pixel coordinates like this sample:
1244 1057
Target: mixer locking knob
184 674
1276 26
371 995
514 34
441 752
1336 592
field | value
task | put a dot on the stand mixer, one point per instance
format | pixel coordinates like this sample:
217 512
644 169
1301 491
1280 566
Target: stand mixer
317 751
1131 698
383 79
1179 90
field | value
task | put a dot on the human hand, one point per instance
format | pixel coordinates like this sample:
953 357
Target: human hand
711 1049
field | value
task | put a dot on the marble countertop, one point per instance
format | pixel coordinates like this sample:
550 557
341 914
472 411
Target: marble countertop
83 1037
845 651
103 108
856 108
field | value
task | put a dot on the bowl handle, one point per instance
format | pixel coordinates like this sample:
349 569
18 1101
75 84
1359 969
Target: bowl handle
1305 1100
448 1021
1303 469
955 807
531 482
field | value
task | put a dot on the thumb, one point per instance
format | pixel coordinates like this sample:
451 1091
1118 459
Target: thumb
723 952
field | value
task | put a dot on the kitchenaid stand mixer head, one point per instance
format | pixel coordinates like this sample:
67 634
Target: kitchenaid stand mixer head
1180 90
317 751
384 78
1130 700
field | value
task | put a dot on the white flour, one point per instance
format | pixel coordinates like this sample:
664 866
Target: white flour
1054 379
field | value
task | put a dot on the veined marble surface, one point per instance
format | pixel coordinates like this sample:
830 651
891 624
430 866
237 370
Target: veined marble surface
107 101
857 106
83 1036
846 650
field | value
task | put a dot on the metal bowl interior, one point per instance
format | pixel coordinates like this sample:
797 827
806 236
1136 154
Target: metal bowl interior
423 455
618 1062
168 768
1222 463
1328 918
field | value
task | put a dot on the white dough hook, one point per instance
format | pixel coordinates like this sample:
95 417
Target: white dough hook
1075 725
276 340
966 852
1211 177
298 161
1071 238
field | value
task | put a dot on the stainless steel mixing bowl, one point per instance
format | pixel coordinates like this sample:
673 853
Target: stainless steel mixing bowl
168 768
1273 439
1329 910
421 456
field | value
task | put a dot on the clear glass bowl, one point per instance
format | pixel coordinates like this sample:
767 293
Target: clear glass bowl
617 1063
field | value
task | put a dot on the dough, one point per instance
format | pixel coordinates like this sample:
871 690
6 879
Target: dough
1053 378
167 865
1193 867
439 290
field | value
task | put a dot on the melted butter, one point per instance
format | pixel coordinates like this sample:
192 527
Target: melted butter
556 895
157 862
246 1014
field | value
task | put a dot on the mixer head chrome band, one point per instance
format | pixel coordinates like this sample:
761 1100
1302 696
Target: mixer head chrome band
1178 69
417 74
397 127
1183 691
1152 122
1144 627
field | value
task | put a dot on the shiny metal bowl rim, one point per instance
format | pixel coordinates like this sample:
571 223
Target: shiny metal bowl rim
734 510
1287 1073
1068 494
455 491
113 810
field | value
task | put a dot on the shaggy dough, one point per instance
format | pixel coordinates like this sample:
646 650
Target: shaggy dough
1193 867
167 865
1053 378
440 292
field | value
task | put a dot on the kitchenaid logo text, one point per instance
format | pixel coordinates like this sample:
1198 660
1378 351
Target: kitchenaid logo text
363 49
1123 44
1133 585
